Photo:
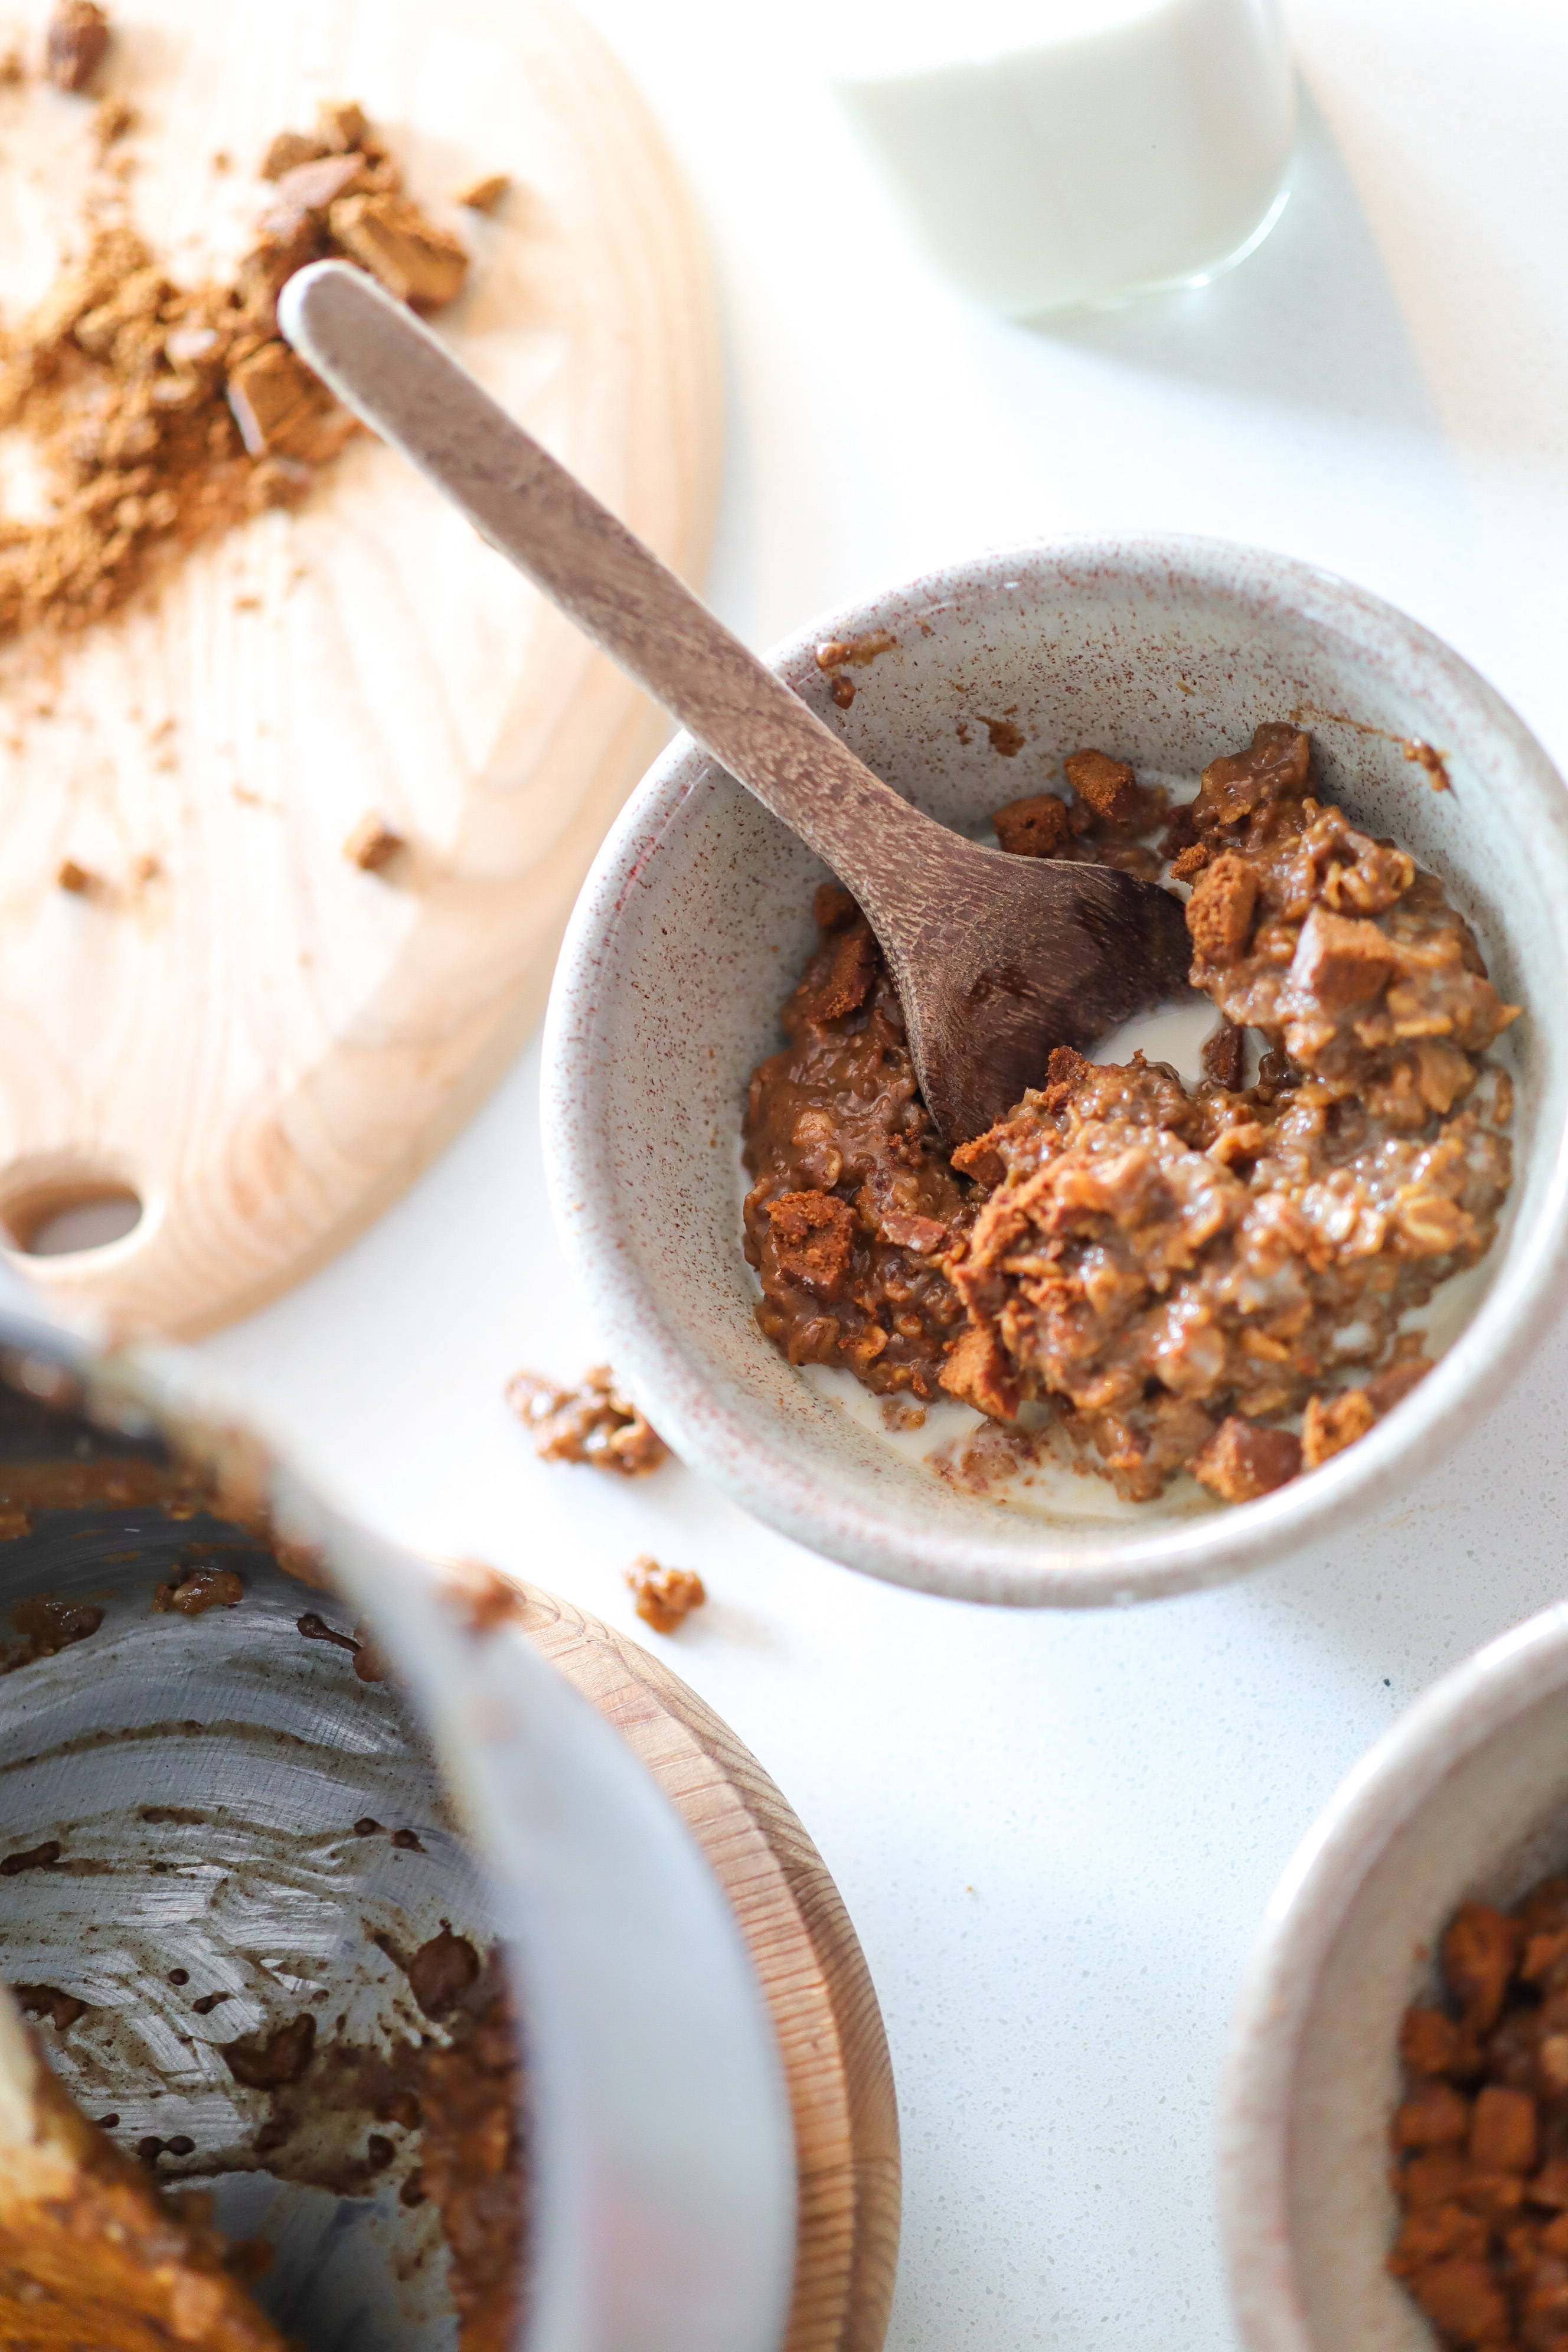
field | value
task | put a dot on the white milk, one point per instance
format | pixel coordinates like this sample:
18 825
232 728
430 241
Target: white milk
1047 153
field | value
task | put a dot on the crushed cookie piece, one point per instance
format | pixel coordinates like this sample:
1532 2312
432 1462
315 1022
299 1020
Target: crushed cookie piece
342 125
284 411
860 651
1107 786
1423 755
80 880
1244 1460
484 195
76 44
373 845
1036 826
814 1236
1224 1055
665 1596
1219 912
1331 1423
289 149
1189 863
593 1422
418 262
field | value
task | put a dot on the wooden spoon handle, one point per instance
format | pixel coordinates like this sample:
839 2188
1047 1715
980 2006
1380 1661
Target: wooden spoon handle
394 376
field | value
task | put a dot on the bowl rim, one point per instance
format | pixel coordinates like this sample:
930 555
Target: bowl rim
1424 1747
776 1484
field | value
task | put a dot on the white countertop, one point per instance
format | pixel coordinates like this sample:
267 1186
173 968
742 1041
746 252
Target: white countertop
1055 1834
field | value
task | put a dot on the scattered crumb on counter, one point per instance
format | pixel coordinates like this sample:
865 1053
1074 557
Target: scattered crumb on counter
484 195
593 1423
80 880
665 1597
372 843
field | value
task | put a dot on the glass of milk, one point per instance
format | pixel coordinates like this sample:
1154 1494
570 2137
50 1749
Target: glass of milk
1050 153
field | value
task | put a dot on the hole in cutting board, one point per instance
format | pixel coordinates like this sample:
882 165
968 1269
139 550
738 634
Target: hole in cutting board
59 1219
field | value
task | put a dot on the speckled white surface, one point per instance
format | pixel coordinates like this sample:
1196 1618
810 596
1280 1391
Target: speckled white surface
1056 1835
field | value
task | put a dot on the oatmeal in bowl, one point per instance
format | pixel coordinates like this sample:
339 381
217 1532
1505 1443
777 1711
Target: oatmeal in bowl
1219 1281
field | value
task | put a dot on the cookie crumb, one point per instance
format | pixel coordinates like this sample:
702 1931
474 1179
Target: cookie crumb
593 1423
78 879
77 41
665 1596
484 195
373 845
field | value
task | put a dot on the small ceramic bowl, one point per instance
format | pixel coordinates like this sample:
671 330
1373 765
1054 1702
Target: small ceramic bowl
1467 1795
697 918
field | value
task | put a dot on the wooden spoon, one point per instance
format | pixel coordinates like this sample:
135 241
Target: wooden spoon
997 959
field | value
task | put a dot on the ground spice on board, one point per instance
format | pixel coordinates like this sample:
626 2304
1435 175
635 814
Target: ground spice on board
163 414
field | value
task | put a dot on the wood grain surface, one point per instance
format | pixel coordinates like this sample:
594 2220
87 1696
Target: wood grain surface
260 1041
807 1954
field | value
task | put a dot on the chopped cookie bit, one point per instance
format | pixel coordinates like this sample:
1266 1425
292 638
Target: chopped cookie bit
373 845
421 264
1331 1423
1423 755
284 411
1035 827
289 149
484 195
1479 2173
816 1236
344 125
860 651
200 1590
1107 786
78 879
665 1597
1243 1460
1219 912
1224 1056
76 42
593 1422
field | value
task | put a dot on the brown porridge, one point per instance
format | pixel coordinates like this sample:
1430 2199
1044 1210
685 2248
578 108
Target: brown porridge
1212 1279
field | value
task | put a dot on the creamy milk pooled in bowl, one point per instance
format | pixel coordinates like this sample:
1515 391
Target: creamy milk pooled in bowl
1047 153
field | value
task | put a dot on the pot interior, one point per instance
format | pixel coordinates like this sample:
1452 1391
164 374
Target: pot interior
213 1829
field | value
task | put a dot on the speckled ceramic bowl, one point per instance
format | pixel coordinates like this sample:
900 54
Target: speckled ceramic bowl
697 918
1466 1796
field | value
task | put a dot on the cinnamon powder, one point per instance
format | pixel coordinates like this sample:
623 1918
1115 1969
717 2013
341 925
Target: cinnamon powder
166 414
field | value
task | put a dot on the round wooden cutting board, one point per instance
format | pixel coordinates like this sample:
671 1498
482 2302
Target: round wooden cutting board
808 1959
257 1040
